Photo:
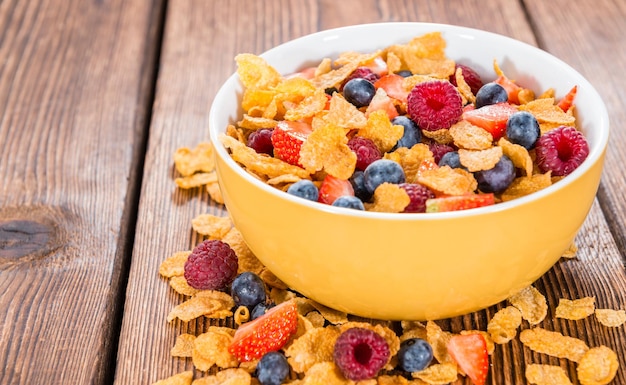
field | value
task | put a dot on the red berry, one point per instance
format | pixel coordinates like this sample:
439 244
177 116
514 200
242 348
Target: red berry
365 150
471 77
419 194
393 86
492 117
561 150
360 353
470 353
267 333
361 72
212 265
459 202
332 188
511 88
287 139
261 141
434 105
568 100
439 150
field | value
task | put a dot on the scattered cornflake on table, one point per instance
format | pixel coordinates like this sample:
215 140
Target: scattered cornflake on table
553 343
196 180
180 285
575 309
531 303
571 251
211 349
598 366
190 161
538 374
183 378
438 340
233 376
314 346
212 226
174 265
209 303
183 347
502 327
610 317
438 374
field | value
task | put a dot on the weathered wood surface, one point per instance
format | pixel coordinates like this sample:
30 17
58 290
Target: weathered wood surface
75 101
75 92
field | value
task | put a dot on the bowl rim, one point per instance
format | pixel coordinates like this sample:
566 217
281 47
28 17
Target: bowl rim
596 152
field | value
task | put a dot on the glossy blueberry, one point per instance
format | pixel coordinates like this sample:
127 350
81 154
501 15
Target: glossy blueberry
350 202
404 73
522 128
491 93
260 309
498 178
412 134
304 189
272 369
248 289
359 92
358 185
414 355
451 159
381 171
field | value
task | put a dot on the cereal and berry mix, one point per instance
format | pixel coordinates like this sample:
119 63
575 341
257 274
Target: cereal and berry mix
406 115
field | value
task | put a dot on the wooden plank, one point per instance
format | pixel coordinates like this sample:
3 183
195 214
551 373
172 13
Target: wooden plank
201 39
75 91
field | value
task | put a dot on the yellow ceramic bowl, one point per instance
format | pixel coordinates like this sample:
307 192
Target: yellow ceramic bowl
414 266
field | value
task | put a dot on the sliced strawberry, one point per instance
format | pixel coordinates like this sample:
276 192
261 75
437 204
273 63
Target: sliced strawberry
307 73
492 117
393 86
287 139
381 101
470 353
378 66
511 88
459 202
332 188
268 333
568 100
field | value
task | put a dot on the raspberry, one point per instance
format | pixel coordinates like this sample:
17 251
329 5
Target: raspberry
471 77
418 194
365 150
361 72
360 353
434 105
561 150
439 150
261 141
212 265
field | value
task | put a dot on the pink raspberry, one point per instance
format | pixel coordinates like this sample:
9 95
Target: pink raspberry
361 72
561 150
434 105
212 265
365 150
472 78
439 150
418 194
360 353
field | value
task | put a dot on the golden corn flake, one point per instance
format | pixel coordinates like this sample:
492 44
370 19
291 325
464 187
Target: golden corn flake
442 136
174 265
316 319
531 303
232 376
196 180
478 160
464 89
394 64
189 161
325 66
183 347
215 193
576 309
502 327
392 380
425 55
256 101
183 378
180 285
388 198
335 317
246 259
525 95
571 251
546 111
537 374
212 226
348 61
326 149
310 106
518 155
447 180
611 318
412 329
326 373
344 114
438 340
255 72
470 137
209 303
438 374
211 348
553 344
283 179
381 131
525 185
598 366
411 159
315 346
258 163
271 280
255 123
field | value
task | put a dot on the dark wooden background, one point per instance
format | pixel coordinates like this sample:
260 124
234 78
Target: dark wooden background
95 96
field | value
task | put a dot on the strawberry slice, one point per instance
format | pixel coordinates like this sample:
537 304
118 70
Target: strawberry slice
287 139
268 333
378 66
381 101
470 353
393 86
492 117
511 88
332 188
568 100
459 202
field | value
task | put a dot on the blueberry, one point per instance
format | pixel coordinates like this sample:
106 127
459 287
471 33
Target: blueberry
304 189
491 93
412 134
359 92
260 309
381 171
414 355
272 369
404 73
358 185
498 178
350 202
248 289
522 128
451 159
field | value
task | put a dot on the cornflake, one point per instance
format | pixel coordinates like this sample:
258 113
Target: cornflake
531 303
326 149
315 346
502 327
190 161
174 265
209 303
610 317
537 374
183 346
438 374
471 137
213 226
553 343
598 366
211 348
478 160
183 378
389 198
575 309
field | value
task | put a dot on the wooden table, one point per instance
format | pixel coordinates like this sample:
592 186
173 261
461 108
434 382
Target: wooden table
95 96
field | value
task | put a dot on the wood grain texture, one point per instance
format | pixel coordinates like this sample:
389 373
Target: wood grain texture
201 38
75 78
